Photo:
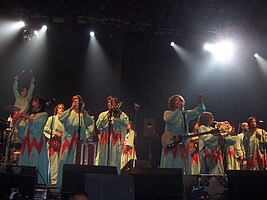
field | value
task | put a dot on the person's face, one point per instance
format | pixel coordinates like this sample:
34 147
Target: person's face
24 93
35 104
60 109
245 127
178 102
111 104
76 102
196 126
253 123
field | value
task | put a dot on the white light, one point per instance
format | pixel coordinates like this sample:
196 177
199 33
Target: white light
44 28
222 51
20 24
92 34
172 44
256 55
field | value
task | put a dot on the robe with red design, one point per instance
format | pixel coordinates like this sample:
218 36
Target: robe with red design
255 149
53 126
33 149
70 121
211 157
128 148
174 124
114 135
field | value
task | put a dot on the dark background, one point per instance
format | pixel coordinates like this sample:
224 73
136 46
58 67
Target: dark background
135 61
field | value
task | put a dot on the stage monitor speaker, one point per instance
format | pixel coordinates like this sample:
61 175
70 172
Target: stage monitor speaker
149 127
247 184
21 178
109 187
158 183
74 177
138 164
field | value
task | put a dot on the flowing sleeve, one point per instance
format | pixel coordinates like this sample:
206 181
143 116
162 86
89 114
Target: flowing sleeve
130 140
30 92
47 127
88 121
194 113
102 121
123 119
171 117
63 118
207 138
15 88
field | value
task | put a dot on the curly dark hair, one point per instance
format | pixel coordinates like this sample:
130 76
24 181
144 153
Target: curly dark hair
205 118
42 101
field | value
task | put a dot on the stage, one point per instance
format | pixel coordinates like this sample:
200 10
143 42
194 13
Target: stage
101 182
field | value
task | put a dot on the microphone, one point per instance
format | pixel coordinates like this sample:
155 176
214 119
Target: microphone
20 74
48 103
260 121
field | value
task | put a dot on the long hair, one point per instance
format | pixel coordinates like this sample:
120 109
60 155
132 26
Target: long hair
171 101
77 96
205 118
56 108
112 97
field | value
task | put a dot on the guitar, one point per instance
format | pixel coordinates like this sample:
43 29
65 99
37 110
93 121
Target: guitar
170 141
55 143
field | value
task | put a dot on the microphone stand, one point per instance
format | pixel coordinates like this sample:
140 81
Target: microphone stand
184 132
78 147
49 149
109 132
136 108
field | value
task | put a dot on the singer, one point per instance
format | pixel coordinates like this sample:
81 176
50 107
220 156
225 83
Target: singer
23 98
112 129
177 121
75 120
22 102
255 146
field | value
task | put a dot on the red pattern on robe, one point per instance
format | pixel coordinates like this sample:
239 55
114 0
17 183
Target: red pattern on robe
256 159
69 145
30 144
195 158
215 155
232 153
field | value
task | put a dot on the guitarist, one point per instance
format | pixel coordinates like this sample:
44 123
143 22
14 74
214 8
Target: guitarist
53 131
176 120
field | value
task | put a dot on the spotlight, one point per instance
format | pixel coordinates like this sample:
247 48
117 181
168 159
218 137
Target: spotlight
256 55
172 44
92 33
44 28
29 36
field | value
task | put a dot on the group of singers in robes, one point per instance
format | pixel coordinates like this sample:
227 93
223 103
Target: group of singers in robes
214 149
50 142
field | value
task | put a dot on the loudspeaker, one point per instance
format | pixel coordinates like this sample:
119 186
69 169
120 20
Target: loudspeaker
149 127
157 184
74 177
247 184
109 187
138 164
23 178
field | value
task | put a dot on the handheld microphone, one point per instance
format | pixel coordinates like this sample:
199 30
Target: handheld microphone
20 74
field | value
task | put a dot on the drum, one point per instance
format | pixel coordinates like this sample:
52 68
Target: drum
88 152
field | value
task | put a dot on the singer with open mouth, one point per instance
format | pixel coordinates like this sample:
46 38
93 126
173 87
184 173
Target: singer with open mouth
75 120
112 125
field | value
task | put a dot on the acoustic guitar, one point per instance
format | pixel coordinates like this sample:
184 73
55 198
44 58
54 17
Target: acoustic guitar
170 141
